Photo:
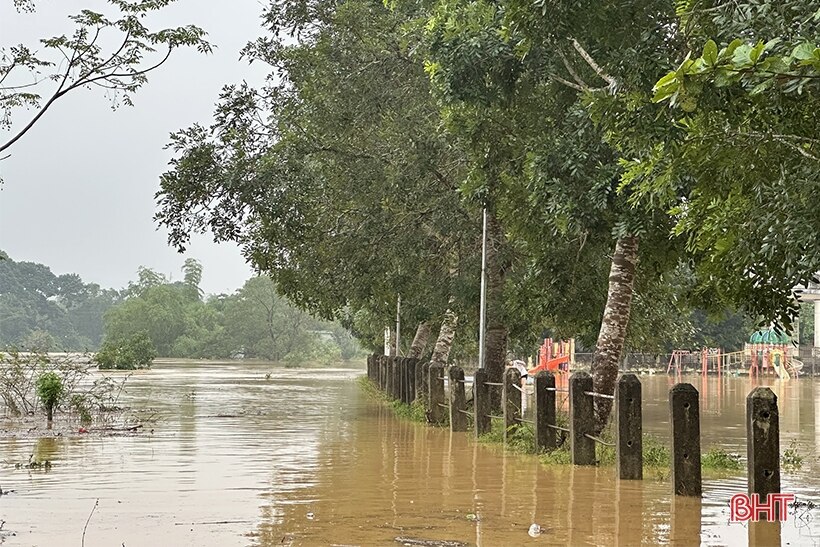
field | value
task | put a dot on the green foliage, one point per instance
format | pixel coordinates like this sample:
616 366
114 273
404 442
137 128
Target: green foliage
334 245
414 412
792 459
756 67
29 380
735 154
655 453
50 390
40 311
114 53
135 351
807 323
717 459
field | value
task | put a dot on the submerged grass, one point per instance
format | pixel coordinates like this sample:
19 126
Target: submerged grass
715 462
413 412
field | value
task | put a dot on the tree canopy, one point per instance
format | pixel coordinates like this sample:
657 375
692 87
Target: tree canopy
642 164
113 52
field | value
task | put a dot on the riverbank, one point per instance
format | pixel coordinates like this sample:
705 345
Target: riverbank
716 461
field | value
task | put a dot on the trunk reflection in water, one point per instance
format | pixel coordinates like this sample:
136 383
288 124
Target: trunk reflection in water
305 458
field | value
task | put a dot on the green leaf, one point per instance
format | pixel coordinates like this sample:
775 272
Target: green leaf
664 93
669 78
761 87
742 55
757 51
710 53
729 51
803 51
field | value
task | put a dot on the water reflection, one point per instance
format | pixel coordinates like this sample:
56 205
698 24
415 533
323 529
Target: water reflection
305 458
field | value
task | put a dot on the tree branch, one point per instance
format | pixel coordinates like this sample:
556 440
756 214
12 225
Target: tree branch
613 83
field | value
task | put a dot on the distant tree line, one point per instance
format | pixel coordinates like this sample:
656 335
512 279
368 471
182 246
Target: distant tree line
44 312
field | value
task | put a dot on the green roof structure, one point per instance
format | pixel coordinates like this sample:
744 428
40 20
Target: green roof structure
770 336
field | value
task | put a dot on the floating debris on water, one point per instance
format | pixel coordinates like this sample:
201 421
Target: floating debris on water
430 542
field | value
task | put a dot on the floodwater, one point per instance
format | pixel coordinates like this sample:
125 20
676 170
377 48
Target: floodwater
305 458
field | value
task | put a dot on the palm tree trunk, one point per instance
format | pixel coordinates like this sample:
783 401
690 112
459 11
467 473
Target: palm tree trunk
614 325
420 340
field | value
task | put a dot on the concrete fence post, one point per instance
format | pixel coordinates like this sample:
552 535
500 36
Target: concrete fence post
410 375
402 379
419 381
396 377
458 400
511 397
684 409
545 436
481 403
388 368
436 381
763 444
383 373
397 385
629 428
582 419
425 387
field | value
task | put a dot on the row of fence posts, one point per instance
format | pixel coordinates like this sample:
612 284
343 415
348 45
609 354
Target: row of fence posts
408 380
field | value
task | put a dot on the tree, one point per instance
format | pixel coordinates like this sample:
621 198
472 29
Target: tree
35 80
49 390
347 196
509 63
738 166
160 311
40 309
129 353
193 277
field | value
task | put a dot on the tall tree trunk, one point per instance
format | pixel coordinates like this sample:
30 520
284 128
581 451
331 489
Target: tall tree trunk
420 340
495 355
441 353
610 344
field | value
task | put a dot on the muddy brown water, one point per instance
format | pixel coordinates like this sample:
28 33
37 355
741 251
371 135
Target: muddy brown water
306 458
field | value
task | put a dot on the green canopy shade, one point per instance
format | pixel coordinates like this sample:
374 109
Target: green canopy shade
769 336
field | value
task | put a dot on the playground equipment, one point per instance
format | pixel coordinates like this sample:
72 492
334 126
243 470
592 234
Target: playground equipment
768 351
554 355
768 348
711 359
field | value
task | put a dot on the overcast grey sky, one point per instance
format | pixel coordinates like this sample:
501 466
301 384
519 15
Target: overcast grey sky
78 192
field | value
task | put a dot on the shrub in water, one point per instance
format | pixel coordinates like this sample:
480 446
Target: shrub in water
49 390
136 351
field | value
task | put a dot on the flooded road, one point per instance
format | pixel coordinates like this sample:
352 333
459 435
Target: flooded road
306 458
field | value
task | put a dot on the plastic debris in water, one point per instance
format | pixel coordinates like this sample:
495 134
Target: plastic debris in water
534 531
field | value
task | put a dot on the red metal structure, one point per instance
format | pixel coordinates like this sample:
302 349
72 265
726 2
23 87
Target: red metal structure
554 356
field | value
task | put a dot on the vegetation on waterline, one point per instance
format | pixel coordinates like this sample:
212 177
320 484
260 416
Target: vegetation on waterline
415 412
50 391
29 381
656 455
131 353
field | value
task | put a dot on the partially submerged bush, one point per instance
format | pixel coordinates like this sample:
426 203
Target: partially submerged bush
50 390
136 351
792 460
31 380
